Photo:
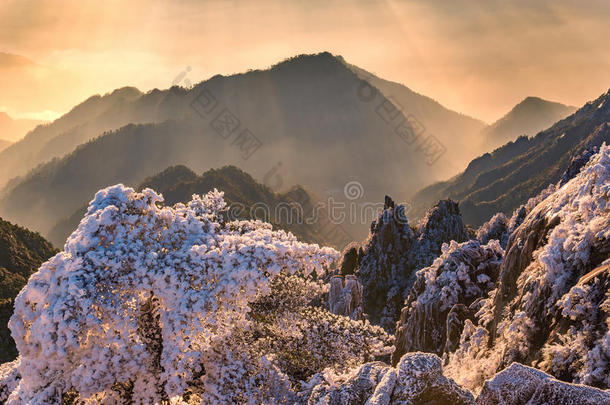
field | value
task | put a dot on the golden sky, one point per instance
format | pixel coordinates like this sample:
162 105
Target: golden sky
477 57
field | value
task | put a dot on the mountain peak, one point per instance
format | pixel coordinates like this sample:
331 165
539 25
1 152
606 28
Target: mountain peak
533 102
519 170
530 116
532 99
324 58
127 92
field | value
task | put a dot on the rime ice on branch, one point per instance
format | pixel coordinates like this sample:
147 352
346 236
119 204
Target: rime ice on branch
141 293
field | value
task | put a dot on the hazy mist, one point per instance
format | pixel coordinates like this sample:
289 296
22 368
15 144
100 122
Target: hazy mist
479 58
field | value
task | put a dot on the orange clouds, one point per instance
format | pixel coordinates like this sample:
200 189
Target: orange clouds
477 57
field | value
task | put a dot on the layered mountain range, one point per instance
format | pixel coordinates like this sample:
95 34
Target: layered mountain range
292 210
516 313
498 294
502 180
317 117
529 291
340 122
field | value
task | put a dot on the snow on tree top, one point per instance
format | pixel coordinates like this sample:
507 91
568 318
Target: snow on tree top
78 322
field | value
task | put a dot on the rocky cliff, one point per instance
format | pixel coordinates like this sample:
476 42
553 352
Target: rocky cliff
394 250
543 303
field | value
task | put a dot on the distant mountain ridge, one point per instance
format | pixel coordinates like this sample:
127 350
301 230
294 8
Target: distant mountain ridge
504 179
244 197
128 105
306 112
55 139
11 61
529 117
435 118
13 130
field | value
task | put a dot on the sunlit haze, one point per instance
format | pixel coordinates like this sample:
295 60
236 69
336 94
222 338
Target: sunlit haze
478 58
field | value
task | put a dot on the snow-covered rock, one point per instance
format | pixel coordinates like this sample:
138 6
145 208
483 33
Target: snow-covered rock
551 306
356 388
495 228
577 163
451 286
417 380
9 379
345 296
393 252
420 380
522 385
441 224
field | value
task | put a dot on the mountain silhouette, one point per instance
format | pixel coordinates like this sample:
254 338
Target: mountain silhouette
84 122
313 113
246 199
455 130
504 179
529 117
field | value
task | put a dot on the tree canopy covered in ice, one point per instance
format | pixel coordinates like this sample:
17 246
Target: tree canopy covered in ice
153 300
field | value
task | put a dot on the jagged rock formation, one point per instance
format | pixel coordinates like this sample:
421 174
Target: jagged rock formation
495 228
394 251
441 224
522 385
385 266
350 259
420 380
444 295
345 297
417 379
550 307
356 389
577 164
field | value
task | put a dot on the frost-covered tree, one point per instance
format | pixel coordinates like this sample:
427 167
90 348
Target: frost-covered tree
290 337
582 353
151 302
550 307
445 295
495 228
